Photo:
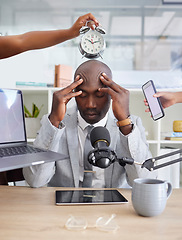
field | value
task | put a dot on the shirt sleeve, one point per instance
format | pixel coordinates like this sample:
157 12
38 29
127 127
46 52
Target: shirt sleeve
47 138
139 150
48 135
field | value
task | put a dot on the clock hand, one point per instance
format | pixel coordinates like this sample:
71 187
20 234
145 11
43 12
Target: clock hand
96 41
88 40
93 47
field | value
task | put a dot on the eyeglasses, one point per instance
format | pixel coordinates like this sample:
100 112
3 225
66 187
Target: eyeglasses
102 223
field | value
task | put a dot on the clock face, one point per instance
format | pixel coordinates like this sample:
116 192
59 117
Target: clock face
92 42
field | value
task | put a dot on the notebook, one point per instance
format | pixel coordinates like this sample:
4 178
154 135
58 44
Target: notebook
15 152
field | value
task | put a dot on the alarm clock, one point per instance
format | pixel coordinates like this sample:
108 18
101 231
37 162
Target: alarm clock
92 43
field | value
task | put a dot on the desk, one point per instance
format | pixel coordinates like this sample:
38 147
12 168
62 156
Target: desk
27 213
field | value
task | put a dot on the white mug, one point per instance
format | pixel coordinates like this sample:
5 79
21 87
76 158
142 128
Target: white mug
149 196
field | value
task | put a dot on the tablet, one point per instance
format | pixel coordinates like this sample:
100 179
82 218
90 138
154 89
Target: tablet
75 197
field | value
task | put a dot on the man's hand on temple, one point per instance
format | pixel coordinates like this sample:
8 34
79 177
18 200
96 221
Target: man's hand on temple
120 101
60 100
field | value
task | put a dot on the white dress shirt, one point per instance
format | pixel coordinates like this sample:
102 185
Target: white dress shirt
98 175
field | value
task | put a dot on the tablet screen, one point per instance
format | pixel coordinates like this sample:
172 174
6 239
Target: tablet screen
72 197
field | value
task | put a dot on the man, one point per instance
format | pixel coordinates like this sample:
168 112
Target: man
64 131
16 44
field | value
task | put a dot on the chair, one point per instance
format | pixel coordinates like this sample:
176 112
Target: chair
11 176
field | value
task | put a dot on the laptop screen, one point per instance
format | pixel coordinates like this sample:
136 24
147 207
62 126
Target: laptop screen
12 127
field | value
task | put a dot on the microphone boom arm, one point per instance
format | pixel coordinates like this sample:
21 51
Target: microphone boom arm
123 161
149 163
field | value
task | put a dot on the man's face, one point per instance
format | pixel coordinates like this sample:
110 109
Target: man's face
92 104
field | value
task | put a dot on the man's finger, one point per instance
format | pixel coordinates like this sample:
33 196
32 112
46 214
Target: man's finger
108 90
72 86
72 94
77 78
108 82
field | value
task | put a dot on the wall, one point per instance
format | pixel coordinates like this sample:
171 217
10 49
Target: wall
38 66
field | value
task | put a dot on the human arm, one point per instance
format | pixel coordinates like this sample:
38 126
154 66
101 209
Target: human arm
167 99
60 100
120 101
48 137
139 150
134 146
13 45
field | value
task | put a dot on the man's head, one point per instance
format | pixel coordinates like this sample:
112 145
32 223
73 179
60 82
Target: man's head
92 104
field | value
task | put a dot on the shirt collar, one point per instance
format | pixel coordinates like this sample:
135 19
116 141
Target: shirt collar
83 124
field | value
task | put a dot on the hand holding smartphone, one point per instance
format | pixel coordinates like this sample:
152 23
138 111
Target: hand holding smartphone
154 103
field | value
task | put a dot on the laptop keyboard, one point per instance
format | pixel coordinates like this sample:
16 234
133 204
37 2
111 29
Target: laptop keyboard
19 150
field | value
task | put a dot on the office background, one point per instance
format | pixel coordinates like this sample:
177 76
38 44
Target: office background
143 41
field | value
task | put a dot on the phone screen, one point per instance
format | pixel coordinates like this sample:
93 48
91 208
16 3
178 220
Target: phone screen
154 103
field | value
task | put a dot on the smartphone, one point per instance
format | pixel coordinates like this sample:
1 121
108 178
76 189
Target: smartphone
155 105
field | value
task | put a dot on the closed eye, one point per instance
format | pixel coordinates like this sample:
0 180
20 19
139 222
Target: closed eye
100 94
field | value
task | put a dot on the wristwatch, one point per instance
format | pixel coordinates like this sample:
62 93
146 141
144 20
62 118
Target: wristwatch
124 122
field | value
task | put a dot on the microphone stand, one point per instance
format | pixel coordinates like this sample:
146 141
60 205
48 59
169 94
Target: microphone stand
150 163
123 161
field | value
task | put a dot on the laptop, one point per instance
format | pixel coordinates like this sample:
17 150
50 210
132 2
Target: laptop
15 152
